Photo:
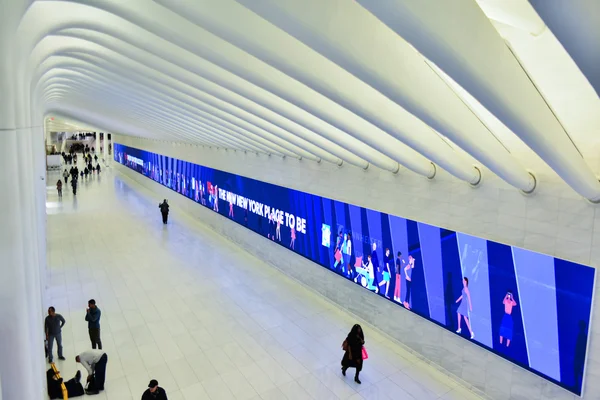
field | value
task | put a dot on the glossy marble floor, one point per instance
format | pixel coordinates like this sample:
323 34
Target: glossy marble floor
206 319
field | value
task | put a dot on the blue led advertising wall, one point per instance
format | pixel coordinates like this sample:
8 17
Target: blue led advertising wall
530 308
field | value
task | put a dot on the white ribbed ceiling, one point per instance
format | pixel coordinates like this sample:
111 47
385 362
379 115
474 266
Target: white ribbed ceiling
462 85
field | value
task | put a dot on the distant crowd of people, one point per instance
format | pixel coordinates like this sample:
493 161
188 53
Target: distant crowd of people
74 173
94 360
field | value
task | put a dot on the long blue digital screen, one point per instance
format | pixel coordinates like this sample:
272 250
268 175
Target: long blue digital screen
530 308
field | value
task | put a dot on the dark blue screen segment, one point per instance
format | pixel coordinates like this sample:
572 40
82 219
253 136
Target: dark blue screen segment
530 308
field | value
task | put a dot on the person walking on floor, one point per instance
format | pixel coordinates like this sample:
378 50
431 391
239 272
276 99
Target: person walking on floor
154 392
66 176
59 188
164 210
94 361
53 327
92 316
74 186
353 347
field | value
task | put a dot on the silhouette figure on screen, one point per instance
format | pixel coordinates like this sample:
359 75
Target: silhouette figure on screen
376 267
368 273
202 198
398 286
506 327
408 270
278 229
293 234
465 307
164 210
271 230
579 356
351 258
344 250
231 209
386 275
337 251
216 196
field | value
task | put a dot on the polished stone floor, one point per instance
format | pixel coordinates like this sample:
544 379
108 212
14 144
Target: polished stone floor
203 317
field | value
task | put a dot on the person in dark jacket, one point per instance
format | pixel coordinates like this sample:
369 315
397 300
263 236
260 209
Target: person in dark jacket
353 351
74 185
154 392
98 168
92 316
73 385
164 210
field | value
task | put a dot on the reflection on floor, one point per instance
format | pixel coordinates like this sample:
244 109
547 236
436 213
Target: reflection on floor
206 319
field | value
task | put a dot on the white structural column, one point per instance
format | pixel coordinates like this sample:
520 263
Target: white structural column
21 331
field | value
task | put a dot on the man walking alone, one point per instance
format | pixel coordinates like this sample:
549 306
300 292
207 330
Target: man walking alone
164 210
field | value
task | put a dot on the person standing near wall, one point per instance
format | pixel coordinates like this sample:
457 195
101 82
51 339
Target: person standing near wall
92 316
53 326
164 210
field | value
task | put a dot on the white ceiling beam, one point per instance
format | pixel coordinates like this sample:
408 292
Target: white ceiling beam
459 38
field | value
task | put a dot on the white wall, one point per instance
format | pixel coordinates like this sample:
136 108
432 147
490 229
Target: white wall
554 220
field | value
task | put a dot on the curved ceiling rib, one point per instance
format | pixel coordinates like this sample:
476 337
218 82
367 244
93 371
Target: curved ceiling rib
237 124
289 56
477 58
148 114
150 94
132 110
267 76
206 102
175 115
351 37
576 24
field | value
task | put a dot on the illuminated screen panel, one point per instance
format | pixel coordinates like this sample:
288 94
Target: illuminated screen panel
530 308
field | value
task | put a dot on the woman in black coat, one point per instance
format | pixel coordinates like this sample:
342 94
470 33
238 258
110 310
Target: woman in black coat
353 351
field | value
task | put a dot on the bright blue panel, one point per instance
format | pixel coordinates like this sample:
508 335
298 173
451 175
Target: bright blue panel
432 268
474 262
537 289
